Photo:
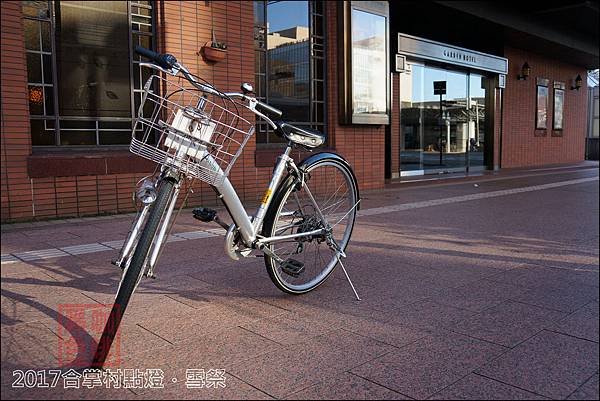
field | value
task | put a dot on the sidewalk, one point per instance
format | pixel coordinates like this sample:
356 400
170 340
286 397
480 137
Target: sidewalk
484 287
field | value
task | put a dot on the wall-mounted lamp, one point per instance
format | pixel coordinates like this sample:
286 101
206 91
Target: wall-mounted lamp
578 83
525 72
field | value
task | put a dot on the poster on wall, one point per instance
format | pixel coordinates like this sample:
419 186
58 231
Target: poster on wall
559 100
541 121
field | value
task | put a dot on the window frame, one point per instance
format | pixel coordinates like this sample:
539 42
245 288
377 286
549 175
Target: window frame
345 68
559 87
314 49
541 83
134 92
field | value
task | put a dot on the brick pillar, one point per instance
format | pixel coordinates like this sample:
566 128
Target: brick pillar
16 197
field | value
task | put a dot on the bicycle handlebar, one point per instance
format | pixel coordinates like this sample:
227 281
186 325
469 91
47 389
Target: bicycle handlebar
169 62
265 108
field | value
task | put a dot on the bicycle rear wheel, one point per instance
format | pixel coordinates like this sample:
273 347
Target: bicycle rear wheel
302 264
133 272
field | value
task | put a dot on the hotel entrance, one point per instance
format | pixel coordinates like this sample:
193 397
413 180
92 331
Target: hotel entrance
441 136
449 129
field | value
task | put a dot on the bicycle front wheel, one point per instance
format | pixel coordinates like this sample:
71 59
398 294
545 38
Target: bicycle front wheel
302 264
133 272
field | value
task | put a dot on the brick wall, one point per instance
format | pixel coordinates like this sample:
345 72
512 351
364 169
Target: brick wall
183 27
16 143
362 145
522 144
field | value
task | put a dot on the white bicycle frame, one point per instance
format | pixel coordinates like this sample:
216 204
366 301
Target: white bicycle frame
247 226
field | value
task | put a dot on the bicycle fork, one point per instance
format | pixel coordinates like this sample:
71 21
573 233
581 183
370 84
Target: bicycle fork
158 242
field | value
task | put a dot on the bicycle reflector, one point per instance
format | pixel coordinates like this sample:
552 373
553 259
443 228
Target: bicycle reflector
146 192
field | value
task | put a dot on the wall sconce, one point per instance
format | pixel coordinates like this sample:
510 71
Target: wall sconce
525 72
578 83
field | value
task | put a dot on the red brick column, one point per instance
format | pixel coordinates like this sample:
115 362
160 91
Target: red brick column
16 199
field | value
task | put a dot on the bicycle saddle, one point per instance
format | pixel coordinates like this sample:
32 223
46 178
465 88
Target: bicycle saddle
310 138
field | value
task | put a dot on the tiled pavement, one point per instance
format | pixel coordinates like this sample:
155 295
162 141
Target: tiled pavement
466 294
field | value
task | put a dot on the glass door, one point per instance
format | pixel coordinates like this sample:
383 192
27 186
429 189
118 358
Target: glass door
477 115
440 134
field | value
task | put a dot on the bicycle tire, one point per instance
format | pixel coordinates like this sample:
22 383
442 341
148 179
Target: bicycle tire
133 272
284 191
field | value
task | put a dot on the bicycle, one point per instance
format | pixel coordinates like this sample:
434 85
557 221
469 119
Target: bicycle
194 131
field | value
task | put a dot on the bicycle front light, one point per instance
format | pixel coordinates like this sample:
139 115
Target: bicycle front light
146 192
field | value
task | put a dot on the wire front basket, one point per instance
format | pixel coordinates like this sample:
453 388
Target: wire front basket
180 127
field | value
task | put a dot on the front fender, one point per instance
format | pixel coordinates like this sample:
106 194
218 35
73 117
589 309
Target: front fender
315 158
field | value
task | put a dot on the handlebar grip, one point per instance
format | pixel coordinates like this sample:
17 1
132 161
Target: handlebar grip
164 60
263 107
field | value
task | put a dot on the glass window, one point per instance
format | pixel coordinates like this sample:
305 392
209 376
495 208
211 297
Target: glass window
559 101
541 119
80 69
369 63
286 75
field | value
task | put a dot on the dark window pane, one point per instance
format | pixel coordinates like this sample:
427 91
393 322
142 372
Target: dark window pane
77 124
115 138
318 26
47 60
116 125
41 136
143 40
77 137
261 137
49 96
36 9
259 13
319 95
136 75
34 68
32 34
259 62
36 100
92 54
45 32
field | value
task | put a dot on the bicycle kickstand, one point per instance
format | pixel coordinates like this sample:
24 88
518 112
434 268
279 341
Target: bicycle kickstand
347 276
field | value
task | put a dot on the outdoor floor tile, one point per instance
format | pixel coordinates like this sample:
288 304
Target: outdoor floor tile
560 298
550 364
287 371
235 389
478 295
588 391
27 346
210 319
535 276
507 324
428 315
346 386
429 365
582 323
287 329
475 387
391 333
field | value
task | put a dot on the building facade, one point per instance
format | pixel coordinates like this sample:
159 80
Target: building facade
401 89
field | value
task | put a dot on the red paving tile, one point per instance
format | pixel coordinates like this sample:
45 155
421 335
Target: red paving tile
492 298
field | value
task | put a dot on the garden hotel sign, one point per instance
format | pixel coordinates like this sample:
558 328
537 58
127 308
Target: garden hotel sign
419 48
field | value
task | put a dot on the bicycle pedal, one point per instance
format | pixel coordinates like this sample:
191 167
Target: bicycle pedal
204 214
292 267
